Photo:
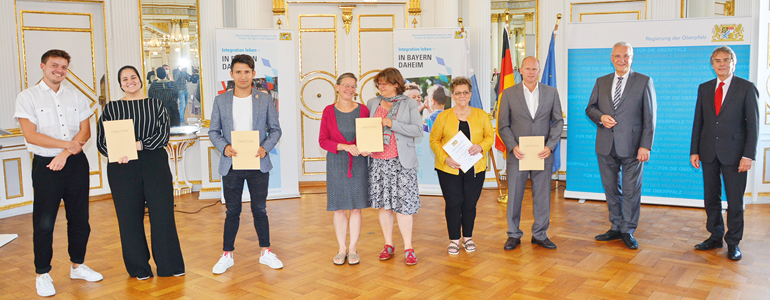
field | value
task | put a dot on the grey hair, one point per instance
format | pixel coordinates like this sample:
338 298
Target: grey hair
724 49
346 75
624 44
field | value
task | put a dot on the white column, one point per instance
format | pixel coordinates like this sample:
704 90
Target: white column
664 9
495 41
9 86
761 59
479 27
254 14
124 39
700 8
445 12
743 8
210 18
547 20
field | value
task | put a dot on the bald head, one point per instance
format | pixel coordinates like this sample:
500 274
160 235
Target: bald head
530 71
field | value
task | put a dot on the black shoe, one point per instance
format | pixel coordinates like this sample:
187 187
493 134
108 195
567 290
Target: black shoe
546 243
608 236
511 243
629 240
733 252
708 245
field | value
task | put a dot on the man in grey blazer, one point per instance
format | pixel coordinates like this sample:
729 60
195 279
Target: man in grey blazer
623 106
724 139
244 109
530 108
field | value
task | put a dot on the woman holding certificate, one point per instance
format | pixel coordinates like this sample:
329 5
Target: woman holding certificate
393 172
347 168
146 179
461 189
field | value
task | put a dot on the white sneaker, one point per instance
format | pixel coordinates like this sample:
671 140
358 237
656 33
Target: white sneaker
225 262
270 260
44 285
84 272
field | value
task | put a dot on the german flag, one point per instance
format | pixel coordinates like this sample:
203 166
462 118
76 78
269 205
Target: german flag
506 80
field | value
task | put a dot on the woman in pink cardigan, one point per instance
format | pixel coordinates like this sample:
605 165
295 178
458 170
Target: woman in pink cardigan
347 169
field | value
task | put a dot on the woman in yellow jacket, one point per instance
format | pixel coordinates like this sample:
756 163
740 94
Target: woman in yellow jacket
461 189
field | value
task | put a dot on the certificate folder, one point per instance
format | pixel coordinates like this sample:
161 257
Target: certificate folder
531 146
369 135
120 138
246 145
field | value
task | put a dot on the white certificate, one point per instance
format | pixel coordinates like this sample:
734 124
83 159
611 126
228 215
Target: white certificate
458 147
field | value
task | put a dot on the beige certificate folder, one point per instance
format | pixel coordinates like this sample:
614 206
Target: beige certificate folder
120 139
531 146
246 145
369 134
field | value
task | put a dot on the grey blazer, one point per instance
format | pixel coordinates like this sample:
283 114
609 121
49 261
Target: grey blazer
514 119
635 115
407 126
264 118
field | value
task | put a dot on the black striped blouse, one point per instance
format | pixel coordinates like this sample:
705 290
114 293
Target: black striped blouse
151 123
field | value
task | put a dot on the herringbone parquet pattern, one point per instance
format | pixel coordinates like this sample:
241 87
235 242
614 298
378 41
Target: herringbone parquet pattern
665 267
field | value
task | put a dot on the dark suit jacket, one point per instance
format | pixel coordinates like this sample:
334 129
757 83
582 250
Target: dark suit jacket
732 134
264 118
514 119
635 115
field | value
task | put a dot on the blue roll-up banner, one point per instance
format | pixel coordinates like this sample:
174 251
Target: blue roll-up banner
274 53
429 58
676 55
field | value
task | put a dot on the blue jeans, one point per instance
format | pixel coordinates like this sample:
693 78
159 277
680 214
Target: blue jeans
183 96
232 186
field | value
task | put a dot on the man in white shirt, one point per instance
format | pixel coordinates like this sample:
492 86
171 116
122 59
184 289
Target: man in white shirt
724 140
530 108
244 109
54 119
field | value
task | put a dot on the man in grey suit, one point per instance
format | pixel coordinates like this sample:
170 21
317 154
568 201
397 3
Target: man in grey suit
724 139
623 106
530 108
244 109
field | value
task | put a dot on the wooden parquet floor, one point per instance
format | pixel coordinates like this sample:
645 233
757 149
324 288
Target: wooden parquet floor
665 267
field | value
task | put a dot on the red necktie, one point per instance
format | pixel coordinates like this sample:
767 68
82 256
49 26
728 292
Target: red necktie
718 98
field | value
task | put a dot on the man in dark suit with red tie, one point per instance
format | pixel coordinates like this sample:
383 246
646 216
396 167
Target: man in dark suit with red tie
724 141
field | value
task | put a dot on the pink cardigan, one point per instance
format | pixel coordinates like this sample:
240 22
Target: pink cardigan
330 136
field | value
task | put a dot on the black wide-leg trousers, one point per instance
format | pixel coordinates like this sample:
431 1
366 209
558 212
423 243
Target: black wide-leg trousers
149 180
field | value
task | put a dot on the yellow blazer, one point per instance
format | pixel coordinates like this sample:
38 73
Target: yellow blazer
446 127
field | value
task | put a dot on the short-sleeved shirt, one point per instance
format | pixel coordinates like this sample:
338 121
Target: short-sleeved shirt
56 114
391 150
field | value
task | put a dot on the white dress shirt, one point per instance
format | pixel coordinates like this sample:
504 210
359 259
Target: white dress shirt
242 114
622 84
724 87
532 98
56 114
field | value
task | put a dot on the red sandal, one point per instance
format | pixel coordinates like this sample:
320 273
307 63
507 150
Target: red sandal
411 259
387 253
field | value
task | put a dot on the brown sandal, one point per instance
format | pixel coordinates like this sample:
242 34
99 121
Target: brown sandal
453 248
353 258
469 245
339 257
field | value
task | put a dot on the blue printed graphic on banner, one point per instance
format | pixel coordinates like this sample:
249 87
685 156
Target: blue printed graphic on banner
676 72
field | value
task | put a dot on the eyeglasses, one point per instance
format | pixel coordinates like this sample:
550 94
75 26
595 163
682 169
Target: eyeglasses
618 56
382 83
347 86
720 61
464 94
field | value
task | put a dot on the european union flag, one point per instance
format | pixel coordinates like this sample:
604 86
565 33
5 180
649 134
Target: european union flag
549 78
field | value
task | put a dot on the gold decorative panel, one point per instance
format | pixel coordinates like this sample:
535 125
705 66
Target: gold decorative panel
14 184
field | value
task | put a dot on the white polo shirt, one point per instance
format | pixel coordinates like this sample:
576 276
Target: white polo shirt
56 114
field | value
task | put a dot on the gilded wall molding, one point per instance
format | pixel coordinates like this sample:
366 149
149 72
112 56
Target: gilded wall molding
279 7
414 8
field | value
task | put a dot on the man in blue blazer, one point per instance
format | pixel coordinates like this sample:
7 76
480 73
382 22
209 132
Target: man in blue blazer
623 106
244 109
724 139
